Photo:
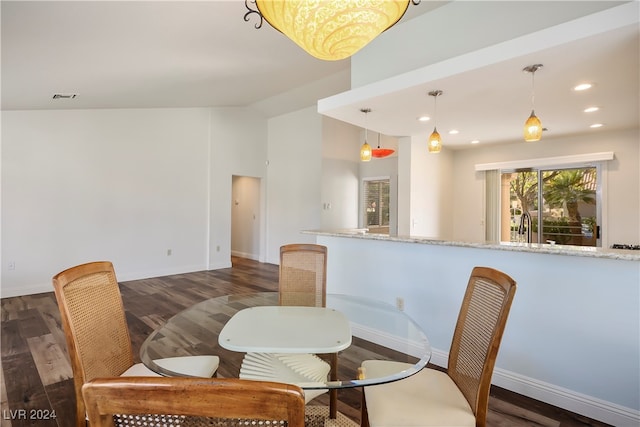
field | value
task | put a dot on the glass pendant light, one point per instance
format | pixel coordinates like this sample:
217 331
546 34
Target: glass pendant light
381 152
365 150
434 144
533 126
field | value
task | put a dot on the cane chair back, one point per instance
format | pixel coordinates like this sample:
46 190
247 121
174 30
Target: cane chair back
459 396
94 324
192 402
303 282
95 327
303 275
478 333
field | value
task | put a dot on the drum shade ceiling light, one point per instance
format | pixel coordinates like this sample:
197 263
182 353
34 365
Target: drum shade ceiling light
329 29
533 126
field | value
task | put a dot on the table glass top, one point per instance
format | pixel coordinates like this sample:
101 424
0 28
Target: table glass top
378 331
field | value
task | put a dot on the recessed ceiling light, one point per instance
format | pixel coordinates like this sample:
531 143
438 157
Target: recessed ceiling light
454 132
475 141
424 118
591 109
596 125
582 86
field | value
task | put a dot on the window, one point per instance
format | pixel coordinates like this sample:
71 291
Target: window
562 204
376 205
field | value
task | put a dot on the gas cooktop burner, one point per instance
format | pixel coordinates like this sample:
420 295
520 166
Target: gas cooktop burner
623 246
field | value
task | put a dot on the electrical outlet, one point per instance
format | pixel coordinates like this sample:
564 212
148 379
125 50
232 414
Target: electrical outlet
169 252
12 265
400 303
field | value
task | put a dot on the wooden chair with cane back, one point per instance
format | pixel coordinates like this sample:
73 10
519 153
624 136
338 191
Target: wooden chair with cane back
303 275
302 282
459 396
97 335
192 402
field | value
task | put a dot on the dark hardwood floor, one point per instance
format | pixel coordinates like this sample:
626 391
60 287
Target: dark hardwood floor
36 374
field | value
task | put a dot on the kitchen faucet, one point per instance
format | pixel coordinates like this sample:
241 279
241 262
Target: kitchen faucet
525 217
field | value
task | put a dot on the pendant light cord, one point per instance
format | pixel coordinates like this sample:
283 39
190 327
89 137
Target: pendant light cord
366 112
435 94
532 69
435 111
533 89
366 126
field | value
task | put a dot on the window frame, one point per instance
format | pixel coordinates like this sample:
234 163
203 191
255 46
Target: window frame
363 203
492 186
540 194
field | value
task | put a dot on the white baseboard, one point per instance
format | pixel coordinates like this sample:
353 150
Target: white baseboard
138 275
254 257
570 400
38 288
219 265
26 290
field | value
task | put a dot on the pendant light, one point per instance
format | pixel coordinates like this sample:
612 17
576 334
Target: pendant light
365 150
380 153
533 126
329 30
434 144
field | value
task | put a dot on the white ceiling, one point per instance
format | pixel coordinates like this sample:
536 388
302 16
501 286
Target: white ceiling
139 54
487 97
144 54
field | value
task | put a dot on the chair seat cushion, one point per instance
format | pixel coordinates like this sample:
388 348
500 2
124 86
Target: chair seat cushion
428 398
194 366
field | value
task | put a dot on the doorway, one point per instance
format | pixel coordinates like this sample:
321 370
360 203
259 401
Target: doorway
245 217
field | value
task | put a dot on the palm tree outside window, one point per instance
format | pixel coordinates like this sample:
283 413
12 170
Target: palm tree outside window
567 205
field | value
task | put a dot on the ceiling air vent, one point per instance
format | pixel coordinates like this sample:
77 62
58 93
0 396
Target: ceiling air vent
65 95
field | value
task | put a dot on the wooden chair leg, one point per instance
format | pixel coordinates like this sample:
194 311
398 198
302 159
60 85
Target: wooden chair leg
332 360
364 415
333 393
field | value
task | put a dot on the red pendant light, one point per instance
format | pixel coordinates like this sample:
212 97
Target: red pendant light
379 153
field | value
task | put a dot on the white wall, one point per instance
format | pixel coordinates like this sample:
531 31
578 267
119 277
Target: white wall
339 181
425 190
573 335
124 185
119 185
238 147
339 194
293 179
622 224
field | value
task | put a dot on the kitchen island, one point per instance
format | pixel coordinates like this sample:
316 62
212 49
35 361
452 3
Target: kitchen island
573 336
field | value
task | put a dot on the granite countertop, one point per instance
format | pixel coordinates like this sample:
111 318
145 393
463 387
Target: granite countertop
582 251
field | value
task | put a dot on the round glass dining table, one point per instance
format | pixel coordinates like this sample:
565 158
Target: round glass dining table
229 326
